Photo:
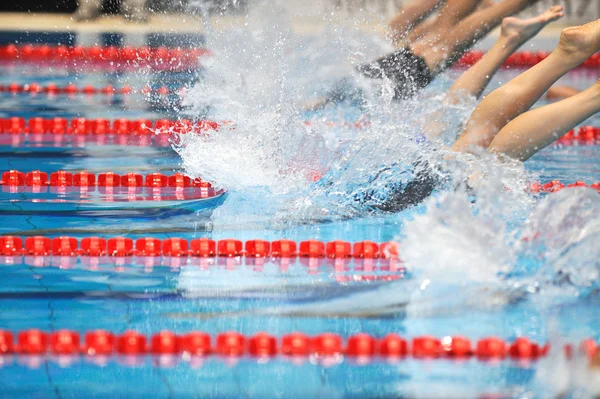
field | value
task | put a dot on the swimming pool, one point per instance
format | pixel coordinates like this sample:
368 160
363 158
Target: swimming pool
159 290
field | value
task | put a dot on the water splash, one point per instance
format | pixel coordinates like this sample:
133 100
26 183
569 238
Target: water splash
562 234
480 248
505 237
260 80
262 75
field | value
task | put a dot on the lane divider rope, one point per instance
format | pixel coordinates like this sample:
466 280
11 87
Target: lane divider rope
264 345
131 187
64 179
61 178
557 185
178 56
72 89
199 247
583 136
167 58
85 126
85 192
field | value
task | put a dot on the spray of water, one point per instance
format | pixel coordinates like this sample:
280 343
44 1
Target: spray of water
261 75
282 163
492 241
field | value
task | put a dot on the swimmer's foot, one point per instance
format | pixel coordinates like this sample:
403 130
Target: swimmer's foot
579 43
518 31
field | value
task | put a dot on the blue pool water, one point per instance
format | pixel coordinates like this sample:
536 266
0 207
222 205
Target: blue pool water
344 297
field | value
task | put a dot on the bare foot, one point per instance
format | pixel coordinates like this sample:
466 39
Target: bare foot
580 42
518 31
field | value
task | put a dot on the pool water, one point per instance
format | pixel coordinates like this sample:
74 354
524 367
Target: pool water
378 297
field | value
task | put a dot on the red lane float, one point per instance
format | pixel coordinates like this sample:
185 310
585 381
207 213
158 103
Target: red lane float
283 249
258 248
101 127
72 89
262 345
234 344
14 179
178 247
162 58
295 344
188 56
97 130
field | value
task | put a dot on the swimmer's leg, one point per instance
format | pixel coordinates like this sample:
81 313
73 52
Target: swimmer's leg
473 82
451 14
513 34
467 33
410 16
532 131
576 45
561 92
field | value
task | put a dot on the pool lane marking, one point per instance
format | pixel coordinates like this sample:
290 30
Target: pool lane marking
321 347
56 130
176 57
